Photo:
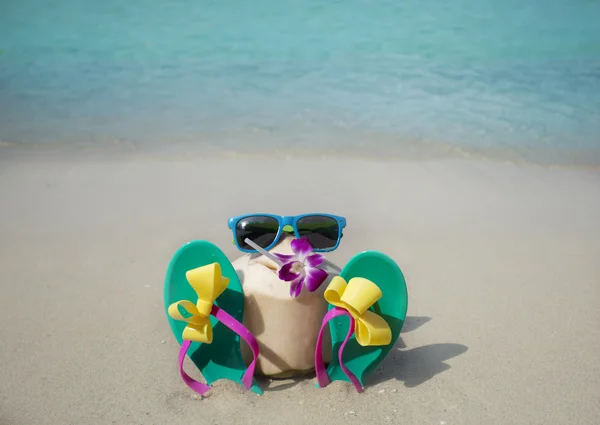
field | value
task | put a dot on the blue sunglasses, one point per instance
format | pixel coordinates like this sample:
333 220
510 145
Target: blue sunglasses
323 231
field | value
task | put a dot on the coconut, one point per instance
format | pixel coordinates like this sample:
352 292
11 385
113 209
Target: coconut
286 329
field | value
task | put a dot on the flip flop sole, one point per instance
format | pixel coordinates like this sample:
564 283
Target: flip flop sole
392 306
222 359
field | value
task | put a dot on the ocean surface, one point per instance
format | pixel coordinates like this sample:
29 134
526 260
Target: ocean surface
377 77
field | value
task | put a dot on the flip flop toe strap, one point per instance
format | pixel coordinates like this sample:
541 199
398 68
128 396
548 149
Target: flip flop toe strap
321 372
246 335
197 386
239 329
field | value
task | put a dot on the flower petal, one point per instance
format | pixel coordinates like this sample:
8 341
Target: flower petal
286 273
314 260
301 248
314 279
296 286
285 258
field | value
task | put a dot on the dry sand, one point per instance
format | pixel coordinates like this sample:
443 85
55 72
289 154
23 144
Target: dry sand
502 264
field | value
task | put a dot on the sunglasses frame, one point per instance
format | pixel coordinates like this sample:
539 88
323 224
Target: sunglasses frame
285 220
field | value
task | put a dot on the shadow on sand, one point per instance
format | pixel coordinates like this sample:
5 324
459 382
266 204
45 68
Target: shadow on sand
418 365
413 366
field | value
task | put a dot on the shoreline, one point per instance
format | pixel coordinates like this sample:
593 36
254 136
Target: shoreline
185 152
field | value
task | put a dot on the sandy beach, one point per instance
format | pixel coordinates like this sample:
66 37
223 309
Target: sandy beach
501 262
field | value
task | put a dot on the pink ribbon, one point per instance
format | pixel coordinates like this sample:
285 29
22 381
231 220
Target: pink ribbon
321 372
239 329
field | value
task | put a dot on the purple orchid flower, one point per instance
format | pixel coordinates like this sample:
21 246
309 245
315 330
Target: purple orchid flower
301 268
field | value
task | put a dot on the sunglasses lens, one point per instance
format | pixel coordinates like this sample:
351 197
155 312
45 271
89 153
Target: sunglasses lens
259 229
321 231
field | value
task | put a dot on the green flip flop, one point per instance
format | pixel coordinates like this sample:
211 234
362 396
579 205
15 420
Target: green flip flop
370 290
219 356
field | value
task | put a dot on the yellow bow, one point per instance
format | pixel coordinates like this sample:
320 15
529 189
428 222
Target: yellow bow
356 297
208 283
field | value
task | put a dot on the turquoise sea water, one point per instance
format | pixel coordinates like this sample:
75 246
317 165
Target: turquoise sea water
357 76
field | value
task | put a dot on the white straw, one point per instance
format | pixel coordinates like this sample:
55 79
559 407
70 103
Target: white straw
263 252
